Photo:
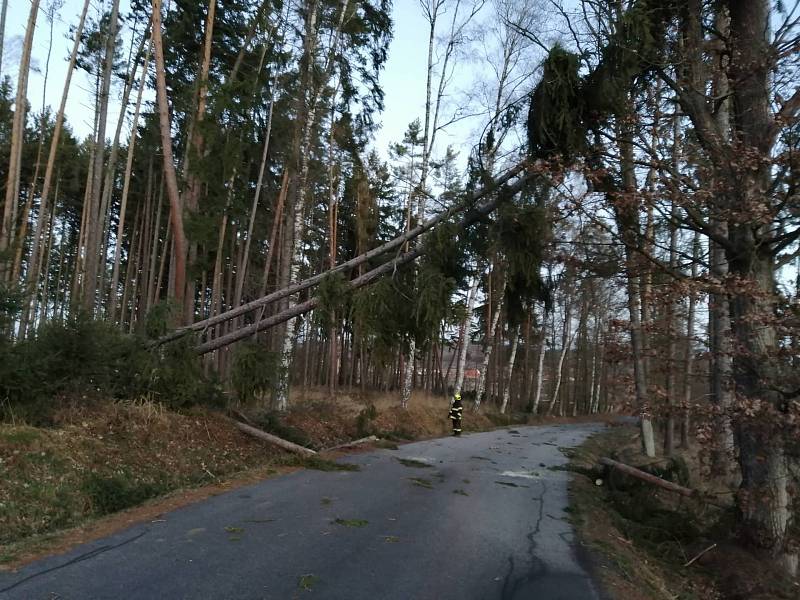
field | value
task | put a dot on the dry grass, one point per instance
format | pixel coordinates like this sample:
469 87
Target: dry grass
107 458
329 422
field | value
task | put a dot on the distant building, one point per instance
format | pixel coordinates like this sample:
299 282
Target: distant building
472 374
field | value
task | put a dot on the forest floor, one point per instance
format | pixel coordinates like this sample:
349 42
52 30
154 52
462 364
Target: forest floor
651 544
102 467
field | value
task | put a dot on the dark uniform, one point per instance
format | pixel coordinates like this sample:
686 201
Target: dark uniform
456 412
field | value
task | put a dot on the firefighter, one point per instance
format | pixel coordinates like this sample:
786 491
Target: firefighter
456 411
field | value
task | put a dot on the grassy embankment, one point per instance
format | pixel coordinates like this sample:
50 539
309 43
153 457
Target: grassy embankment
67 481
652 544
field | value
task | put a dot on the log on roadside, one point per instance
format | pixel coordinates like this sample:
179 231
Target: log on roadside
649 478
275 440
358 442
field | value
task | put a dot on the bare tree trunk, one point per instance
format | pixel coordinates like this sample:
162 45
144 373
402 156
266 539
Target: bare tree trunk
197 144
77 273
217 282
628 220
17 139
332 247
48 243
3 11
176 208
462 357
720 334
566 342
153 276
537 396
125 191
273 237
17 265
106 204
597 370
767 493
240 275
135 270
672 330
94 221
510 371
689 359
488 346
31 276
307 106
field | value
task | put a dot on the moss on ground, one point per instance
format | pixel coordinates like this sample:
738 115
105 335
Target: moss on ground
416 464
351 522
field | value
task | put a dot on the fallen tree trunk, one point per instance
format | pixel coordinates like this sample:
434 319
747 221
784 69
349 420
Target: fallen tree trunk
473 215
358 442
299 309
275 440
394 244
652 479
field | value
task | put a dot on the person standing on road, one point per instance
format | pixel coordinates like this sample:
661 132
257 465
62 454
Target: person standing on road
456 412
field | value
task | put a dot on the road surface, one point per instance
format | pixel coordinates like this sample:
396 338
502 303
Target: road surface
477 517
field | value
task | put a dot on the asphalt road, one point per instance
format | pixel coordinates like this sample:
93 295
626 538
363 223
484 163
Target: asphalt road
477 517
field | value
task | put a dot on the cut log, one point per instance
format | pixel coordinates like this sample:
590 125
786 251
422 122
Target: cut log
358 442
275 440
652 479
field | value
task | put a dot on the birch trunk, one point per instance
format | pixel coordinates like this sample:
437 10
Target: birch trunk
689 359
672 359
488 347
567 337
537 396
293 245
77 273
309 95
332 247
462 357
510 371
419 193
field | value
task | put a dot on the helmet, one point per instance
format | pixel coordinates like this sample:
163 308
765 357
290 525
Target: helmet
457 396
